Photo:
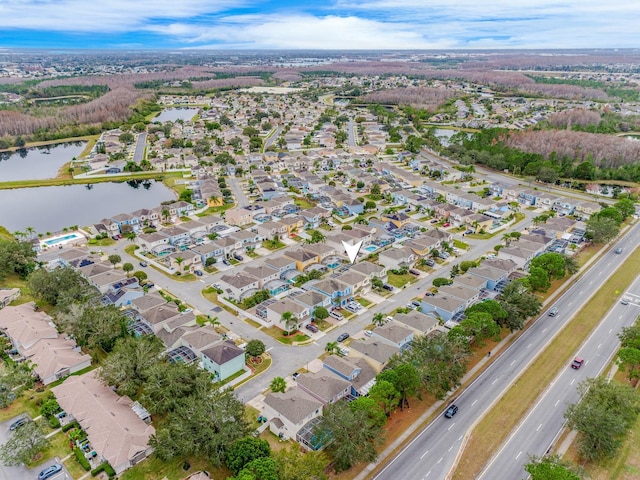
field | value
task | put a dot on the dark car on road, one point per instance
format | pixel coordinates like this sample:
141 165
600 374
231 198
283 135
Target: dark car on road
50 471
19 423
451 411
342 337
198 272
577 363
143 264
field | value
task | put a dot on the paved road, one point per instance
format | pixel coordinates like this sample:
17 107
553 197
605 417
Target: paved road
236 187
288 359
138 155
432 453
544 422
272 138
351 133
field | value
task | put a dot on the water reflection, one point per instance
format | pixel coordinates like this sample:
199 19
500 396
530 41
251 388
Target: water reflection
37 162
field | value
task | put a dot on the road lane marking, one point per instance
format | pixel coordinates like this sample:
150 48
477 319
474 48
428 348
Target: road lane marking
428 473
572 381
460 437
494 381
440 460
610 330
451 426
474 402
599 345
544 330
424 454
513 362
450 448
539 427
529 345
518 456
557 402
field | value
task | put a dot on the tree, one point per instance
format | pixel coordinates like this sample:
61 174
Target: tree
370 205
625 206
491 307
519 303
359 184
406 380
61 287
278 384
113 259
539 279
376 416
295 465
377 283
15 379
94 326
551 468
255 348
127 267
440 282
16 258
439 359
316 237
547 175
385 394
290 322
263 468
140 275
129 365
203 425
466 265
348 435
375 189
332 347
169 384
480 326
629 361
245 450
455 271
604 415
23 445
378 319
553 263
602 229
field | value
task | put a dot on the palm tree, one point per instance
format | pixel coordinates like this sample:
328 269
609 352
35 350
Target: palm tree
165 214
30 231
278 384
332 347
18 234
507 239
378 319
179 261
290 322
131 236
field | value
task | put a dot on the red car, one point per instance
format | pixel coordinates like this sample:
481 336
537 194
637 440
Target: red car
447 224
577 363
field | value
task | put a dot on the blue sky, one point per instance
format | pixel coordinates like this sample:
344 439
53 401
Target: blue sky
314 24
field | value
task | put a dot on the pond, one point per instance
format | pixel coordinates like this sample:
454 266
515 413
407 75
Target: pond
173 114
50 209
38 162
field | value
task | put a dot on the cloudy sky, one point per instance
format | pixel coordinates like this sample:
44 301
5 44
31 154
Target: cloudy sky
320 24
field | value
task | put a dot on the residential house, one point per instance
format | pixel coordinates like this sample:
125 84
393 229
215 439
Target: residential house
356 371
324 386
177 235
422 245
462 291
518 254
116 432
104 281
290 411
223 360
8 295
399 219
397 257
586 209
207 251
239 285
294 224
184 261
371 270
375 352
166 316
311 299
155 242
338 291
273 310
471 281
493 276
393 333
420 323
479 222
240 216
303 257
358 282
269 230
445 307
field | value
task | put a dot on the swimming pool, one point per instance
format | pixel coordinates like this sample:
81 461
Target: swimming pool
62 239
371 248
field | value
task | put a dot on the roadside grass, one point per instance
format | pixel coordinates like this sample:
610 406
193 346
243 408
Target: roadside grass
59 447
52 182
253 323
322 324
74 467
29 403
277 334
215 210
211 294
497 424
461 245
364 302
399 281
271 245
103 242
153 468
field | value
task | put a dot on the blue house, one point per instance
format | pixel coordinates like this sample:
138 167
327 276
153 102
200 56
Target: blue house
444 306
223 360
338 291
354 207
356 371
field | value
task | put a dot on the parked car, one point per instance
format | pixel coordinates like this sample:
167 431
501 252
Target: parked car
143 264
336 315
311 327
435 220
430 262
415 272
238 257
187 310
389 318
19 423
447 224
553 312
388 287
443 255
429 294
295 375
50 471
451 411
368 333
342 337
624 301
198 272
416 303
577 363
148 284
468 232
226 262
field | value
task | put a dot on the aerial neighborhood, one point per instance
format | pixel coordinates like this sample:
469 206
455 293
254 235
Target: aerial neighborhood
231 310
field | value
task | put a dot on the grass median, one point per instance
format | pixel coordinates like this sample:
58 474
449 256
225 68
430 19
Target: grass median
498 423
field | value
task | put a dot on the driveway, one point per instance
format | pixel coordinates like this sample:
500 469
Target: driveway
22 472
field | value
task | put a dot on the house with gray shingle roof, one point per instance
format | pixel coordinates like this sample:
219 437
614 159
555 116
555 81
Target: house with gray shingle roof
324 386
288 412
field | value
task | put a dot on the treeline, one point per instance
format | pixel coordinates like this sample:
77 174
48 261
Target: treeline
429 98
570 154
114 106
618 91
583 120
227 82
93 91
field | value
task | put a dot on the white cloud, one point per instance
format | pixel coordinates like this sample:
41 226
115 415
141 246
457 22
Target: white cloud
105 16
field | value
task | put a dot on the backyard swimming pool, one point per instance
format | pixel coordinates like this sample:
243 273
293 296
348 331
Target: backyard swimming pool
61 239
371 248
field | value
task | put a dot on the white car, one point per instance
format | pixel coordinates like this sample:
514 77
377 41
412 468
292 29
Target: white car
368 333
389 318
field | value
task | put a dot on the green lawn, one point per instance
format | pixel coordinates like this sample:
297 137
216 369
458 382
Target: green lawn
460 245
364 302
153 468
59 447
400 281
29 403
271 245
279 335
303 203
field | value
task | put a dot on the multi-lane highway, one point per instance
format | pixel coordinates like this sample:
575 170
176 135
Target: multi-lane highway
432 453
543 423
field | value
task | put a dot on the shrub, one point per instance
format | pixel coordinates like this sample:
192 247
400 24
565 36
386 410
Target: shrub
54 422
84 463
69 426
105 467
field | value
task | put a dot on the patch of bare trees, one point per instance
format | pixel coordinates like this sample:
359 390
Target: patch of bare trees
227 82
429 98
606 150
574 116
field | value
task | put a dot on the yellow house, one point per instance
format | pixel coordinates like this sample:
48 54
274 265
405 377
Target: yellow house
399 219
303 258
293 225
